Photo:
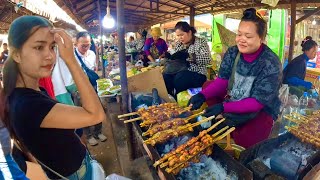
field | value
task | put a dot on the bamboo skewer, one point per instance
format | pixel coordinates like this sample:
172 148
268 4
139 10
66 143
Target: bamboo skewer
132 120
214 135
202 121
137 113
185 120
127 115
292 119
146 123
172 132
302 135
215 125
167 156
169 170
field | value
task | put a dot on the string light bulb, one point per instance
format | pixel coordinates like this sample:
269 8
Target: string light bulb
108 21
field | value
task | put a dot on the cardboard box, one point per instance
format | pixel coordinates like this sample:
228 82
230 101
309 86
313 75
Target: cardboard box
146 81
312 74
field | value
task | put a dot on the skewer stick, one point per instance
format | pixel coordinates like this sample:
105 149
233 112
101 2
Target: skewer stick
194 116
299 115
214 135
164 164
202 121
132 120
219 132
165 157
215 125
292 119
169 170
127 115
185 120
147 123
187 126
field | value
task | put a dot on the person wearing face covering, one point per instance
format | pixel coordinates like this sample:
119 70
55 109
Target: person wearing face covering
248 82
295 72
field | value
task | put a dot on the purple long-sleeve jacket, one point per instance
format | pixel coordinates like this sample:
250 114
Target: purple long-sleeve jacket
160 44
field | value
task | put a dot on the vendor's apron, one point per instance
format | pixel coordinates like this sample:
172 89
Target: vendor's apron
154 52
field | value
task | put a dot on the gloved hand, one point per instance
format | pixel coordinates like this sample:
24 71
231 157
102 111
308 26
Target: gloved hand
214 110
197 101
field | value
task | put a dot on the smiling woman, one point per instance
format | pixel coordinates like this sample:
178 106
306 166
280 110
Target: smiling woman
250 74
42 126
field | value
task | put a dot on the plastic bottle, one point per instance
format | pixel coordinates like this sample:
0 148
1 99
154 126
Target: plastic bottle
303 103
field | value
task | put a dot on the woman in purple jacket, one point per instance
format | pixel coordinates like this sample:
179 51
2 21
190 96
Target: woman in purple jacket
155 47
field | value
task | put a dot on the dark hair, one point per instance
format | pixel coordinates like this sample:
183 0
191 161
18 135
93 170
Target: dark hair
82 34
143 33
20 31
252 15
308 43
185 27
5 44
131 37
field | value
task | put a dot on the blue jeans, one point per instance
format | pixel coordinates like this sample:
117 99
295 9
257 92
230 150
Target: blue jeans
84 172
10 165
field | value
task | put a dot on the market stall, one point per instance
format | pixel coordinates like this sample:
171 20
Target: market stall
180 149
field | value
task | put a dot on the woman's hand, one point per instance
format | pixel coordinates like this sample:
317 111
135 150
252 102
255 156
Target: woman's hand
65 45
214 110
196 101
150 58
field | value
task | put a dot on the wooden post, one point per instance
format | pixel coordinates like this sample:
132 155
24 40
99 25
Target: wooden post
101 42
123 73
292 28
192 14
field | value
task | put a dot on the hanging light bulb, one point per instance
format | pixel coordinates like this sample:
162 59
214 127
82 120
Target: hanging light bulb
314 22
108 21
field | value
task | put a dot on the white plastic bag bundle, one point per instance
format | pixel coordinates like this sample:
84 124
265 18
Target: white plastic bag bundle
116 177
283 96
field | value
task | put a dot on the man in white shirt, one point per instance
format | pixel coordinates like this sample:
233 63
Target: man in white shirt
83 43
83 49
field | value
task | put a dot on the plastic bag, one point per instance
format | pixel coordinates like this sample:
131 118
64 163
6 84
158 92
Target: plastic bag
116 177
283 96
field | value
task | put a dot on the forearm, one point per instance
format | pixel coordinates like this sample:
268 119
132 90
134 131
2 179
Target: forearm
218 88
89 98
299 82
247 105
150 58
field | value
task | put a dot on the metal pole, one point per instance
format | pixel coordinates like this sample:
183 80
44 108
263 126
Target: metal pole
101 42
123 72
293 28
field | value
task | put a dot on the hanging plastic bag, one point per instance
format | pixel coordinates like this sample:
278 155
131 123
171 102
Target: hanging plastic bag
283 96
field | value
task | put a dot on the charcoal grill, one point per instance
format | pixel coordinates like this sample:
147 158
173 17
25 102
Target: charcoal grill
266 147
